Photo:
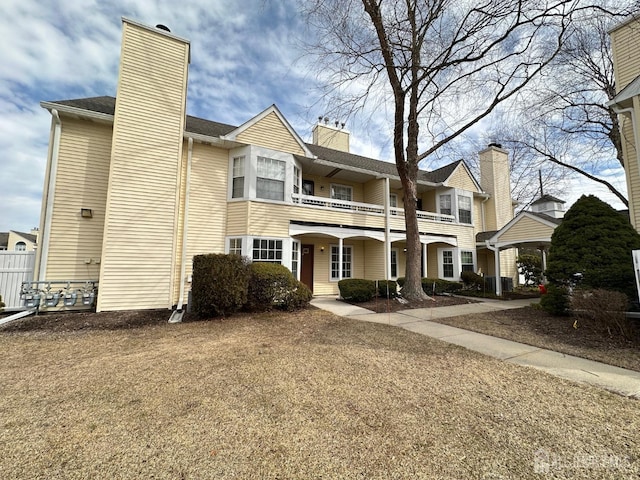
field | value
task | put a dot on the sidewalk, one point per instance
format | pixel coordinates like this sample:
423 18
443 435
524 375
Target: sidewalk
615 379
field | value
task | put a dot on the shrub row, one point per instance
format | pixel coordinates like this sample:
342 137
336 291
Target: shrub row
360 290
224 284
436 286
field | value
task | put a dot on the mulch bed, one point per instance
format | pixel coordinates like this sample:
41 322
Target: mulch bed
383 305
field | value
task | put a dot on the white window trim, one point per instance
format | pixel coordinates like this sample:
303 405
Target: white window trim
455 193
473 256
469 195
450 192
331 279
331 186
456 263
397 252
251 154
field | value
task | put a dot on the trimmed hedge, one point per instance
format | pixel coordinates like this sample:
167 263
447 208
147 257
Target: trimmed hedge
357 289
472 280
435 286
273 285
220 284
268 285
387 288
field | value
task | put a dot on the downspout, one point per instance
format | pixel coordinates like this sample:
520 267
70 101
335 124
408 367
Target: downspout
486 199
46 234
185 225
622 111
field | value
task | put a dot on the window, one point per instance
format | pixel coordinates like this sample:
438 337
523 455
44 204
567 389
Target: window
393 203
267 250
307 187
466 261
341 192
20 247
464 209
295 256
235 246
346 262
394 264
238 178
445 204
270 179
296 179
447 263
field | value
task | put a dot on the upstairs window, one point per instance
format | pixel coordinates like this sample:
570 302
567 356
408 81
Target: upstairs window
20 247
296 179
341 192
464 209
270 179
238 178
445 204
393 203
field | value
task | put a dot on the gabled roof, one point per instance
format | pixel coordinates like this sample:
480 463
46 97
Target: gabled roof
272 109
547 198
106 105
27 236
544 216
626 94
448 170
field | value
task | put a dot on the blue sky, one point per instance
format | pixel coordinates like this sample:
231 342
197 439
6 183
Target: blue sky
245 56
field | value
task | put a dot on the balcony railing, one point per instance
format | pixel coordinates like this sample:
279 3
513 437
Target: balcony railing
368 208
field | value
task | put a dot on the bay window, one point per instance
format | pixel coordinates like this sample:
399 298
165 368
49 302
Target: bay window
237 189
464 209
445 204
270 178
466 261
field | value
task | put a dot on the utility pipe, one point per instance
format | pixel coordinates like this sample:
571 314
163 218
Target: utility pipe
185 225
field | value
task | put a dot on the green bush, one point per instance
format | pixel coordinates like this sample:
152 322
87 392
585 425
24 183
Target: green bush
472 280
357 289
297 298
220 284
268 286
595 241
436 286
556 300
387 288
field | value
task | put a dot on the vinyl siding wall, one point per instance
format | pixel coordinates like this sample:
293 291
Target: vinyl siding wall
270 132
526 228
460 179
142 211
624 46
81 182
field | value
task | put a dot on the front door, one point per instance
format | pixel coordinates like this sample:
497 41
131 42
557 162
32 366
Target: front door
306 273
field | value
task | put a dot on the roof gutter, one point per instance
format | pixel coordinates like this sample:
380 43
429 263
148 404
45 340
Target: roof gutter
79 112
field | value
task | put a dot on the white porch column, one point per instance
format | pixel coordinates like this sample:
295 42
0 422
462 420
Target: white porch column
387 230
544 262
496 254
424 259
339 258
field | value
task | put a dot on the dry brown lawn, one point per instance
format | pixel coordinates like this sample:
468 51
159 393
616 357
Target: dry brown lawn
303 395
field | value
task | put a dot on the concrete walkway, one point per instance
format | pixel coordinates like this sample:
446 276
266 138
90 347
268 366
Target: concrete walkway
615 379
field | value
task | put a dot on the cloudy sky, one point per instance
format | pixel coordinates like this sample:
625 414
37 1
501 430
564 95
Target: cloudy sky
245 56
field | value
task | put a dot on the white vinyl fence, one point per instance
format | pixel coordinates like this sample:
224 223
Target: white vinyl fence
15 268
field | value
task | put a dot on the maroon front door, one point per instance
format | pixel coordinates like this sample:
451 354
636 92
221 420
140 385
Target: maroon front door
306 273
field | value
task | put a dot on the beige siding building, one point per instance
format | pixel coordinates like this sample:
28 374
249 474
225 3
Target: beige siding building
625 42
135 188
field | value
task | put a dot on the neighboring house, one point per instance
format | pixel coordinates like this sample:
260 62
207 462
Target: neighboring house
134 188
18 241
529 229
625 41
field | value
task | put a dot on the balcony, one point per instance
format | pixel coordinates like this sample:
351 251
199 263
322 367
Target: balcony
364 208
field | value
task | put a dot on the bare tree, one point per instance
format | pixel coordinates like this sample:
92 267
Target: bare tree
563 118
446 64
